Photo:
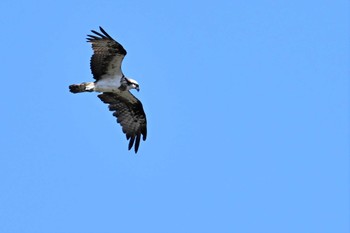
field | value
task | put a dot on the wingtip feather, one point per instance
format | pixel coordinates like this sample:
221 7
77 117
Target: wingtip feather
137 143
131 142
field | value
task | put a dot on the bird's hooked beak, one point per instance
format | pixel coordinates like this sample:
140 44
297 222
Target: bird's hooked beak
137 88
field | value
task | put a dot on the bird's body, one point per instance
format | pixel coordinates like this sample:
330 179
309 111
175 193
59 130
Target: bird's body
115 87
108 84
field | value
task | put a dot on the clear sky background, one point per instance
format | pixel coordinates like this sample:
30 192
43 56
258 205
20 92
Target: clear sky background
248 118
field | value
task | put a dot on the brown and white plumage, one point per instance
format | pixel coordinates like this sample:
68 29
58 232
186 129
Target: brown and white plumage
108 55
130 115
105 66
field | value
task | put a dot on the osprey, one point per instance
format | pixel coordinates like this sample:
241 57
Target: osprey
105 66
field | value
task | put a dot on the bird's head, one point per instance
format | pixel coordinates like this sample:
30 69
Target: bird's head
132 84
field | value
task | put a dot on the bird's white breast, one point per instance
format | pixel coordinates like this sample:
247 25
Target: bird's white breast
108 83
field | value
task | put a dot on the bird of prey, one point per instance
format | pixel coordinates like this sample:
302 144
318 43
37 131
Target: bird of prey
105 66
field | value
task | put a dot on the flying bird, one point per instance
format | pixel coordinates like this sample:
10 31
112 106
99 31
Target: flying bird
105 65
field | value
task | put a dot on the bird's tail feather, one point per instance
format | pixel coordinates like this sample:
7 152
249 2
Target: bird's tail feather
83 87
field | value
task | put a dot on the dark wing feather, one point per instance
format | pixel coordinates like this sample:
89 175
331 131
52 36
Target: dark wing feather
108 54
130 115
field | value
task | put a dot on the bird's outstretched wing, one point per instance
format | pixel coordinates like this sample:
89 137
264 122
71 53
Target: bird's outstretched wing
130 115
108 55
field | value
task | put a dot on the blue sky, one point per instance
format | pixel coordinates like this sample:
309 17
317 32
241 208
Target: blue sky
248 118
